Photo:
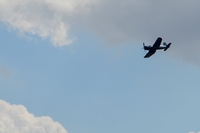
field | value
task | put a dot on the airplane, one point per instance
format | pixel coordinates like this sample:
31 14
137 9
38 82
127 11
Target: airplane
156 46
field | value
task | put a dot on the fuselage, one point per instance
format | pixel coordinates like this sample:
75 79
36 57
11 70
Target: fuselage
153 48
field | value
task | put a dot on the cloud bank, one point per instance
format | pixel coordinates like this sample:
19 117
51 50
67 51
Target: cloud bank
16 119
115 21
44 18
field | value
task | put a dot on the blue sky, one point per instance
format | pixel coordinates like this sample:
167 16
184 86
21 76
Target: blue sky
95 86
89 87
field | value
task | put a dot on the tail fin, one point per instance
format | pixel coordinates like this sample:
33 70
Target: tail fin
168 46
165 44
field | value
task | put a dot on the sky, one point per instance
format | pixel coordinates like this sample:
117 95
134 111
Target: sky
77 66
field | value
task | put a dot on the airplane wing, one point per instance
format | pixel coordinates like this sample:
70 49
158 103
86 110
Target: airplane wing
150 53
157 43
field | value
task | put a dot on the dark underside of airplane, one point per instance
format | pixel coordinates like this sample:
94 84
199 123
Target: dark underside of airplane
156 46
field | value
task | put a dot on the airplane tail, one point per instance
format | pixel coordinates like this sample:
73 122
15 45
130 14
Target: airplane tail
168 46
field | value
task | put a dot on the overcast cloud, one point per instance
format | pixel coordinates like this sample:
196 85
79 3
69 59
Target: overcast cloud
16 119
115 21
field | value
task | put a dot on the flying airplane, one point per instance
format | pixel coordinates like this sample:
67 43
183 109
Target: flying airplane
156 46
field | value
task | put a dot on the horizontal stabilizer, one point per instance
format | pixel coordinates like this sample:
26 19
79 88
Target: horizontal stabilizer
168 46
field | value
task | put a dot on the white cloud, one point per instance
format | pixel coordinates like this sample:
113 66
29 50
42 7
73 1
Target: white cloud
16 119
44 18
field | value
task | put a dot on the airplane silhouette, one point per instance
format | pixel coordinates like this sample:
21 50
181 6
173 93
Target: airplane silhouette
156 46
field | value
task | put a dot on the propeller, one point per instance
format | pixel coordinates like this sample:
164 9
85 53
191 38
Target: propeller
143 46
